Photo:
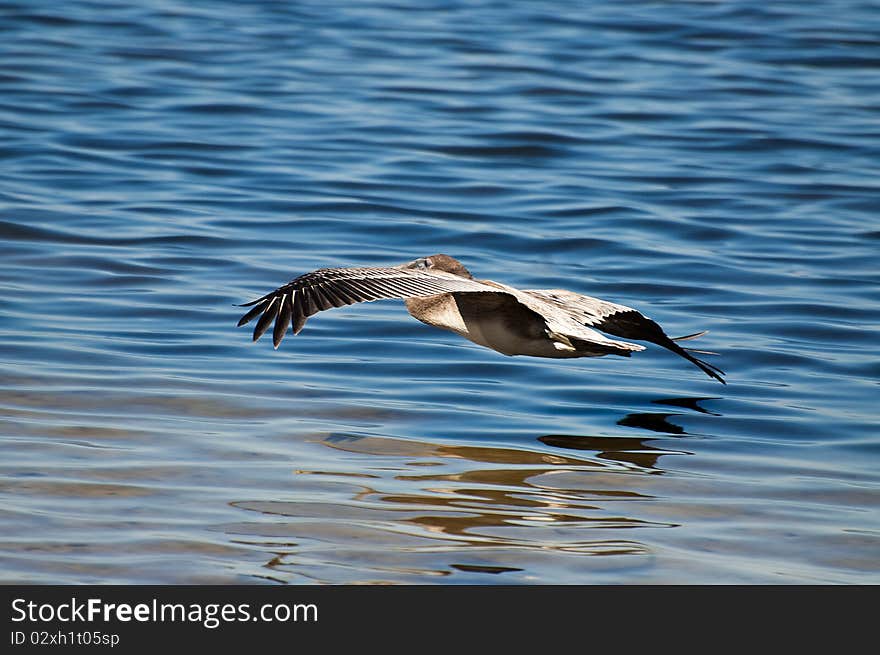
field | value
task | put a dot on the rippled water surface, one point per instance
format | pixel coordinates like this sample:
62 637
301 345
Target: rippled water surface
712 164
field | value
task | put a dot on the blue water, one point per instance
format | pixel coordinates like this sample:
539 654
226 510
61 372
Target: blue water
715 165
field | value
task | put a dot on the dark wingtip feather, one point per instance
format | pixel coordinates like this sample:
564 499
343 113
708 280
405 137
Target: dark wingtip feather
707 368
266 319
688 337
631 324
702 352
298 315
247 318
282 321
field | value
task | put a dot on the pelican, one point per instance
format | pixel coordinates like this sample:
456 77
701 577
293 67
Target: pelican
439 291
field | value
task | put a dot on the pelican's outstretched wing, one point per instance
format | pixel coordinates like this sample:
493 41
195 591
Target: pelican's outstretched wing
335 287
622 321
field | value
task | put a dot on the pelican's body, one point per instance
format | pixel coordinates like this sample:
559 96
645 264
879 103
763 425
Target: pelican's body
487 324
508 323
439 291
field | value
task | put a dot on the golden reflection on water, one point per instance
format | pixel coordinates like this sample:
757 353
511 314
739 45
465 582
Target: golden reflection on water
419 507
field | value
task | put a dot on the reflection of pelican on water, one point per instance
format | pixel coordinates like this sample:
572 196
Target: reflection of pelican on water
479 507
659 422
635 451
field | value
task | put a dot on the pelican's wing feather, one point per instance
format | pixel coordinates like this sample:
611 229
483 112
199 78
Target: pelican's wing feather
562 326
621 321
326 288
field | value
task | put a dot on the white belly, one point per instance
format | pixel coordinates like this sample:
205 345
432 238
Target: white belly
506 332
489 330
496 335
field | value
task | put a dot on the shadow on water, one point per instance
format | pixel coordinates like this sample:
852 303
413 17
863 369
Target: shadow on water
634 451
688 403
426 508
659 422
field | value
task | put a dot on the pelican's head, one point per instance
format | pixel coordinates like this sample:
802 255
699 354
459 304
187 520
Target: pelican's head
441 263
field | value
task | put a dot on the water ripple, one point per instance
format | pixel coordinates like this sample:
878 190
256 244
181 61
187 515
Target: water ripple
712 164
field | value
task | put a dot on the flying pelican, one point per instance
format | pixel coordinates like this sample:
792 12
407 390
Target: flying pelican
439 291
